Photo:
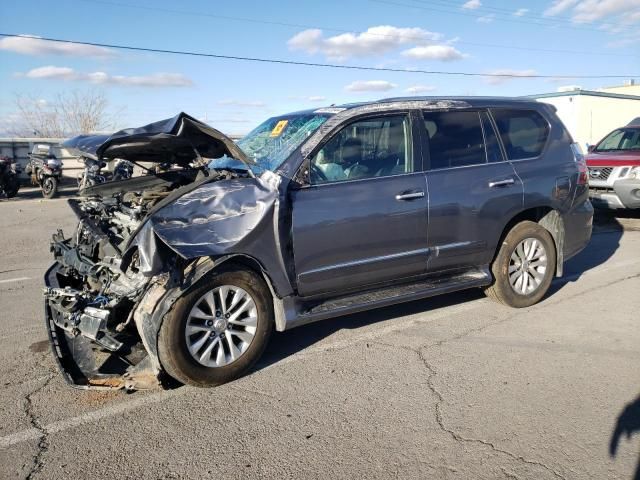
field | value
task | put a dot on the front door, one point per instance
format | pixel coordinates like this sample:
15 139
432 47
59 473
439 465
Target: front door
362 220
473 190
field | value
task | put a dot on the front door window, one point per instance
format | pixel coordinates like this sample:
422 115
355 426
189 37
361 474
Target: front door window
369 148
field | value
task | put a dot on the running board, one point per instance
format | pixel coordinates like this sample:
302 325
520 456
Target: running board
391 295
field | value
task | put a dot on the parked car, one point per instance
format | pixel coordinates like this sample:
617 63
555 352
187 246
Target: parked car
614 168
315 214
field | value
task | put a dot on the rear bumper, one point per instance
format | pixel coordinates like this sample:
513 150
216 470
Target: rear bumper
624 194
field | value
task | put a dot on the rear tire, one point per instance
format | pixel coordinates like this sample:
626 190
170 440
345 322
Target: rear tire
524 266
12 186
174 343
49 187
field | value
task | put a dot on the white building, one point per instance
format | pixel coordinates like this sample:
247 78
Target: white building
590 114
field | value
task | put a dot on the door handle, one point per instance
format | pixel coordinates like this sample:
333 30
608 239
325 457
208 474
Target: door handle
502 183
409 195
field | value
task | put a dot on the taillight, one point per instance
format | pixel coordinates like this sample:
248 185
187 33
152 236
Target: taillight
583 172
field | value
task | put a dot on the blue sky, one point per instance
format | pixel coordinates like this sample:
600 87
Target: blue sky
234 96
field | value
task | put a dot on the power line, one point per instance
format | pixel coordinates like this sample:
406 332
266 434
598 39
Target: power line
341 30
311 64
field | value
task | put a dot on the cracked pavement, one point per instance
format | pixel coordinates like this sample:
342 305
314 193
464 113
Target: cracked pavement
454 387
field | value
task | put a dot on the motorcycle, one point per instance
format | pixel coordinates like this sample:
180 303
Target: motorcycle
45 170
9 181
92 173
122 170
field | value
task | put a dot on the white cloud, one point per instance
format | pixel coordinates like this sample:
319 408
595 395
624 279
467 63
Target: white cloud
559 6
587 11
308 98
434 52
507 75
242 103
51 72
625 40
521 12
374 42
61 73
420 89
472 4
370 86
486 18
32 45
153 80
591 10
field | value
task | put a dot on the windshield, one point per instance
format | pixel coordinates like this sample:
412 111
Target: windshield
621 139
273 141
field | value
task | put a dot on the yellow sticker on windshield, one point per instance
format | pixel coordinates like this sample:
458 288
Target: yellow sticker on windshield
280 126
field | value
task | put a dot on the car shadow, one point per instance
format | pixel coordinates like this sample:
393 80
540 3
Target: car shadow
607 232
34 193
628 424
290 342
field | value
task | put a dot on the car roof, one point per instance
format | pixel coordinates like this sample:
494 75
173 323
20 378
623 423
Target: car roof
479 102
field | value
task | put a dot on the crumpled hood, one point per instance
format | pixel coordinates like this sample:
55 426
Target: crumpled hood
175 140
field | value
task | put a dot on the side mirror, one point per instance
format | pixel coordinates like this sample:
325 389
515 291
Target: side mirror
302 177
591 148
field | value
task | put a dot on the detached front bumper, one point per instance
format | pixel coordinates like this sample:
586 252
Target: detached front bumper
624 194
87 364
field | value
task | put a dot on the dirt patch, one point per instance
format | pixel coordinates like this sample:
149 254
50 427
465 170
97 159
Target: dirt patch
39 347
98 398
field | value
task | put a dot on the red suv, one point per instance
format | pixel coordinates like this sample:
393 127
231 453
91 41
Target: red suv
614 168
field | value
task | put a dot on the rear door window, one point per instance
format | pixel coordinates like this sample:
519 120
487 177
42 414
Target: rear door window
455 139
524 133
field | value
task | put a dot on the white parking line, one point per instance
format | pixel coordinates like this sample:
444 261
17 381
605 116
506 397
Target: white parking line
19 279
31 434
91 417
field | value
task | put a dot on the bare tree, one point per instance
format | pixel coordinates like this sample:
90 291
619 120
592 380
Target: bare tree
69 114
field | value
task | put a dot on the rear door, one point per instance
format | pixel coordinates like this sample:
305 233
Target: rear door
362 219
473 190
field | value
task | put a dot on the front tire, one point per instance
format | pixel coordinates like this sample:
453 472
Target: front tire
217 331
524 266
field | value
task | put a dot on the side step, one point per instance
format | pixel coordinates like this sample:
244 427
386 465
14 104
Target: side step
390 295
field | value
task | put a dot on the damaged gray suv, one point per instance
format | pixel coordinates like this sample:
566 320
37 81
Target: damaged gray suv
186 271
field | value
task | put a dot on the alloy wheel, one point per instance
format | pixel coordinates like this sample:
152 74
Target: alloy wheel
527 266
221 326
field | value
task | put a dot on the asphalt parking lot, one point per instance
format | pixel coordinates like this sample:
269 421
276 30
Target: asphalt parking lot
455 387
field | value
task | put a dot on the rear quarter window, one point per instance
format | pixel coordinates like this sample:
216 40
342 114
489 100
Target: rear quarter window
524 133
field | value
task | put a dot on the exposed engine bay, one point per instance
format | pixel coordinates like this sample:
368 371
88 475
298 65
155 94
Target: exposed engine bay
99 289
